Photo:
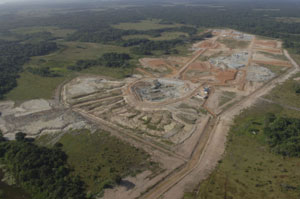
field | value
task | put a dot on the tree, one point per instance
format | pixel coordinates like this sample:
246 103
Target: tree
2 139
20 136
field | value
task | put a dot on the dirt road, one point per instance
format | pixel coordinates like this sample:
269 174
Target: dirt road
186 66
192 60
205 159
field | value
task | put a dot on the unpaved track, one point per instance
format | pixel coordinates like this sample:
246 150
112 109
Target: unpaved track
180 73
186 66
251 46
215 146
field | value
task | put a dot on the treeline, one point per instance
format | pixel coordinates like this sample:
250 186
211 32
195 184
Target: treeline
108 59
115 35
13 55
283 135
146 46
42 172
43 71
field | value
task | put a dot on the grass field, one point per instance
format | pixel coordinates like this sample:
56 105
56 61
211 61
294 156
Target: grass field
99 158
285 93
70 52
151 24
249 170
233 44
56 31
34 87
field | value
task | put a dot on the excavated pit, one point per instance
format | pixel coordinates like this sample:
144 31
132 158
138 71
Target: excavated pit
159 90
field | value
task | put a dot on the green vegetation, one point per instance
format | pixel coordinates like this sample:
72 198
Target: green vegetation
102 160
71 52
145 25
283 135
43 71
286 93
273 56
32 86
42 171
275 69
118 73
8 191
112 60
163 36
234 44
297 87
249 168
12 57
55 31
288 19
146 47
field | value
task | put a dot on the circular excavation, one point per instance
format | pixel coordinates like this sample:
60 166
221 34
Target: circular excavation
160 90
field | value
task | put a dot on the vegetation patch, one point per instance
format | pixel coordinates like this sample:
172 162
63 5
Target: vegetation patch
288 19
163 36
12 57
41 171
32 86
56 31
102 160
145 25
283 135
249 168
234 44
286 93
114 60
273 56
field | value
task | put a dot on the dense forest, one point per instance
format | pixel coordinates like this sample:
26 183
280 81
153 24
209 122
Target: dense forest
257 18
42 172
283 135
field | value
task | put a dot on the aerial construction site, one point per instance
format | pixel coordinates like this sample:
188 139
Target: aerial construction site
178 109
